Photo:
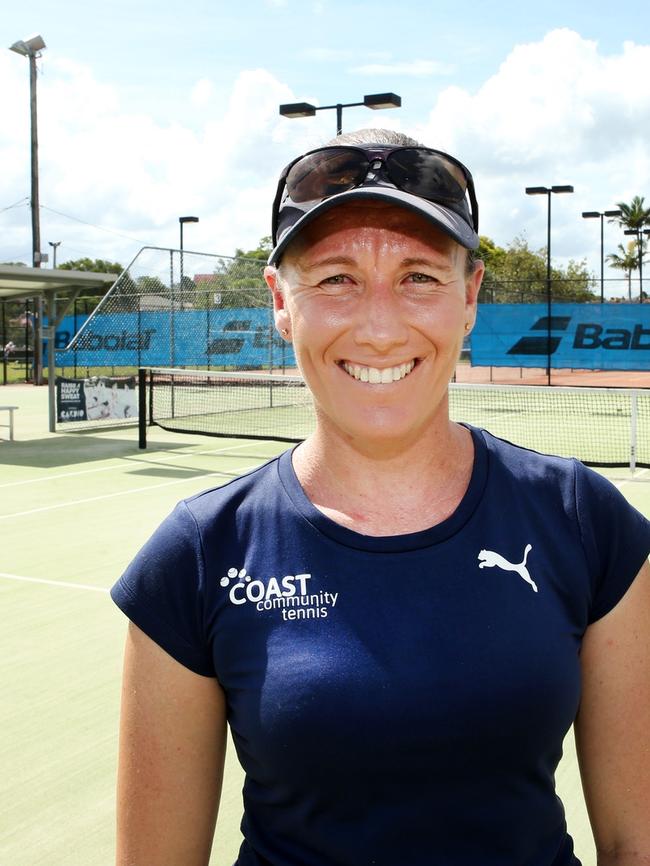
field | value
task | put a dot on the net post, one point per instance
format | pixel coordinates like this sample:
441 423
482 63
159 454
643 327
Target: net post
142 408
633 425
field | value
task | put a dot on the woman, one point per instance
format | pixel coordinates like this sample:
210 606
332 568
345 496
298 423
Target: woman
402 617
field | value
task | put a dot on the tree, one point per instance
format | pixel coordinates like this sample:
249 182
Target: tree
517 274
237 281
96 266
633 215
626 260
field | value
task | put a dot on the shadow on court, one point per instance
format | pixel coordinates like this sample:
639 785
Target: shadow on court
64 450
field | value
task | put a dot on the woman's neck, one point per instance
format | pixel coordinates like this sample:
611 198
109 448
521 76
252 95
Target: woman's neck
382 491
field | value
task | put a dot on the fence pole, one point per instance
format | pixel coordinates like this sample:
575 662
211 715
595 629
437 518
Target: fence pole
27 355
142 408
633 422
3 343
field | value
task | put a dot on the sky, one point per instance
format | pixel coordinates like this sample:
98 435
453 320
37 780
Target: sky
152 110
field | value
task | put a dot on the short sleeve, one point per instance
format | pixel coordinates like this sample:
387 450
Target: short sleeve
615 536
162 591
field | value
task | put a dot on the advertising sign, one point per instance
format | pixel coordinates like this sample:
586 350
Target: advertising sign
578 336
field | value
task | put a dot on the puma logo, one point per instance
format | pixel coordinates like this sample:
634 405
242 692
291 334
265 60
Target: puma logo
488 559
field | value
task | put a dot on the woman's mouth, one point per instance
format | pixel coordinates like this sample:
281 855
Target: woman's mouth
375 375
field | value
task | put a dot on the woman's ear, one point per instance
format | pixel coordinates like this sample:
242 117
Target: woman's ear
472 287
280 312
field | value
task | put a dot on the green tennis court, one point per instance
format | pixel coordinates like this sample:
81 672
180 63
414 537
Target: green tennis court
74 508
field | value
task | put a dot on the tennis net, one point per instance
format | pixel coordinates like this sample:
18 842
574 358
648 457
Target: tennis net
600 426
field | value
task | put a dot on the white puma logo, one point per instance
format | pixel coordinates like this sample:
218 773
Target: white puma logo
488 559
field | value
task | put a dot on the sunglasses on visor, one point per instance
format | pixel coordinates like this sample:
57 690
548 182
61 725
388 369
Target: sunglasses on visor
328 171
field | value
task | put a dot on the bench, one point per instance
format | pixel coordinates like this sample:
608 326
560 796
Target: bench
10 425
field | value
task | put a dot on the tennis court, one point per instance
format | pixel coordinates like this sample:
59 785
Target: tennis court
74 508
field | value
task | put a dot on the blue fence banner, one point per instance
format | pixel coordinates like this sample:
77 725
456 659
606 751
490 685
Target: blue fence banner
578 336
234 337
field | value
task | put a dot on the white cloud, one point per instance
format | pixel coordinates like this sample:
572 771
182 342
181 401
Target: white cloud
202 93
128 175
412 68
557 111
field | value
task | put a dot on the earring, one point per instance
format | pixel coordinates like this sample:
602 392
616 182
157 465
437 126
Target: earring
467 326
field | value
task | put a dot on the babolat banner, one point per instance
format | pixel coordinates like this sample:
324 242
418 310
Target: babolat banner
581 336
99 398
236 337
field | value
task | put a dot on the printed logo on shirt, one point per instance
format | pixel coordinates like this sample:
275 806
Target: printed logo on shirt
489 559
290 595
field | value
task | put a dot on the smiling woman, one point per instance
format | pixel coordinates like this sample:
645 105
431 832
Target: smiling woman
400 618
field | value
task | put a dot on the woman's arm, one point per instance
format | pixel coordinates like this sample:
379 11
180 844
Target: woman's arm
613 728
172 748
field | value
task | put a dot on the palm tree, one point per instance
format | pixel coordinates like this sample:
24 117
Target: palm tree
626 260
633 215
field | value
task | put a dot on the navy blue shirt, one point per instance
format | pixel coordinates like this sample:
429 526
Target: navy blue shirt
401 700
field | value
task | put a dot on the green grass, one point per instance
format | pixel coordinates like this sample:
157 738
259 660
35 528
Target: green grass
74 509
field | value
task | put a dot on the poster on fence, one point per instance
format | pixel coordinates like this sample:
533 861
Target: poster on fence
99 398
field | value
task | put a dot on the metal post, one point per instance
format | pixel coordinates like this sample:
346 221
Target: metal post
3 343
602 260
27 340
35 203
51 349
633 424
548 291
171 313
339 118
142 408
640 266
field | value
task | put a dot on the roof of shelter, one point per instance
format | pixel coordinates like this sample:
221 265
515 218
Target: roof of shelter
22 282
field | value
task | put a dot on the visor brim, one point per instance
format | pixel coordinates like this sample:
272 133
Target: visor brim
443 218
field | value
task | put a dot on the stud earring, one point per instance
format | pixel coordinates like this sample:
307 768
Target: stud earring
467 326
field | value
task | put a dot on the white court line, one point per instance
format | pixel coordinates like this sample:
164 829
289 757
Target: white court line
623 481
125 492
52 582
176 456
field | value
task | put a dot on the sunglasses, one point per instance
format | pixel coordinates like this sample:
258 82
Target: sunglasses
328 171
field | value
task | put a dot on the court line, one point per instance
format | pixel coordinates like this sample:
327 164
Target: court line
623 481
176 456
240 471
52 582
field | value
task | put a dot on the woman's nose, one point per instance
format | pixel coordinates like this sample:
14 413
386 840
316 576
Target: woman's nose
381 322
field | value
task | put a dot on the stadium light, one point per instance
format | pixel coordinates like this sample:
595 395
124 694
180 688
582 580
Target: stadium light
182 221
370 100
639 232
54 245
31 48
547 191
594 214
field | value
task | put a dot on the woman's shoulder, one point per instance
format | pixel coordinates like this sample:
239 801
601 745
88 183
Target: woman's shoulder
249 486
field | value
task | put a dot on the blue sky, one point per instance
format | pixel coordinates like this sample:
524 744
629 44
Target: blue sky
152 110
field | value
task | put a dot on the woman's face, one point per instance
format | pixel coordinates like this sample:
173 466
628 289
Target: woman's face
375 301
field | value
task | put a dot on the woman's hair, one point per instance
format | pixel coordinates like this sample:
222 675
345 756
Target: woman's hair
375 136
398 139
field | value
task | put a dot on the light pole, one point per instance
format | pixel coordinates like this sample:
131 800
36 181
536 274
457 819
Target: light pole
31 47
370 100
546 190
181 221
638 232
54 245
594 214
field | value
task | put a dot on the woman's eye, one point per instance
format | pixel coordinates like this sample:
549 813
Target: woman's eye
337 283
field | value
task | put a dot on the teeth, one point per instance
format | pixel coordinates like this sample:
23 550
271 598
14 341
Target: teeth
376 376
